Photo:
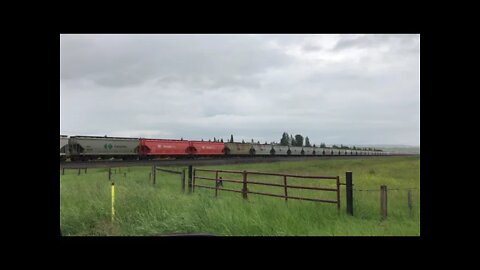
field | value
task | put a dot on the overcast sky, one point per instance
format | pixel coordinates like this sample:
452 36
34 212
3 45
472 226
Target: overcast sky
337 89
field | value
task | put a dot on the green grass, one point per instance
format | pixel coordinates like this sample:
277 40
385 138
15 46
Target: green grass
143 209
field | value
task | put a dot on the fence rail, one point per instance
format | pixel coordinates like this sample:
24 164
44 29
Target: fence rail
245 182
169 171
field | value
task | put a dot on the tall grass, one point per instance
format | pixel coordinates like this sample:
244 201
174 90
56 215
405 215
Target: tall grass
143 209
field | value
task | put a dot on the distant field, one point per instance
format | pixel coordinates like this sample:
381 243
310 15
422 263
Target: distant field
144 210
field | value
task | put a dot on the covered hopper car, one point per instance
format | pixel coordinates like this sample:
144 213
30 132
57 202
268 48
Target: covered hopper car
198 148
151 148
63 147
91 147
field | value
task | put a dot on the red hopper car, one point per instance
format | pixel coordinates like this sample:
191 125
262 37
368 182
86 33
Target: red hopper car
198 148
157 147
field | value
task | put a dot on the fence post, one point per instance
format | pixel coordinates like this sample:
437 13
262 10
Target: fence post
410 204
285 185
193 180
113 201
383 201
154 168
183 180
216 183
349 193
190 169
245 190
338 193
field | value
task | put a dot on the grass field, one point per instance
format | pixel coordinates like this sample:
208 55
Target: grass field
142 209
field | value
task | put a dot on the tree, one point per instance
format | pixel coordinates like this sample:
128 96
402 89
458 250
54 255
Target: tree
214 139
258 142
243 141
284 140
307 142
221 140
253 141
298 140
291 141
322 145
181 139
231 138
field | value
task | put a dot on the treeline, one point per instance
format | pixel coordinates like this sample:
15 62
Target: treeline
290 140
299 140
230 141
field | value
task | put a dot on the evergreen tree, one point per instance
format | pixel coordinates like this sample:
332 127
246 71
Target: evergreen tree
291 142
253 141
231 138
284 140
298 140
214 139
322 145
221 140
243 141
307 142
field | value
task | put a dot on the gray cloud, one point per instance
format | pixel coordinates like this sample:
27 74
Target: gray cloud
332 88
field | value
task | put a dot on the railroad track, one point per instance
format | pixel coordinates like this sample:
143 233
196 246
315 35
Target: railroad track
196 162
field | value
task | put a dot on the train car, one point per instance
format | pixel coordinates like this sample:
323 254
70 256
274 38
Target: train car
319 151
296 151
92 147
234 149
198 148
308 151
262 149
63 147
322 151
280 150
151 148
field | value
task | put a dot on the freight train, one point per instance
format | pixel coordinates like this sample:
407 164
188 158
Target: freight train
83 148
